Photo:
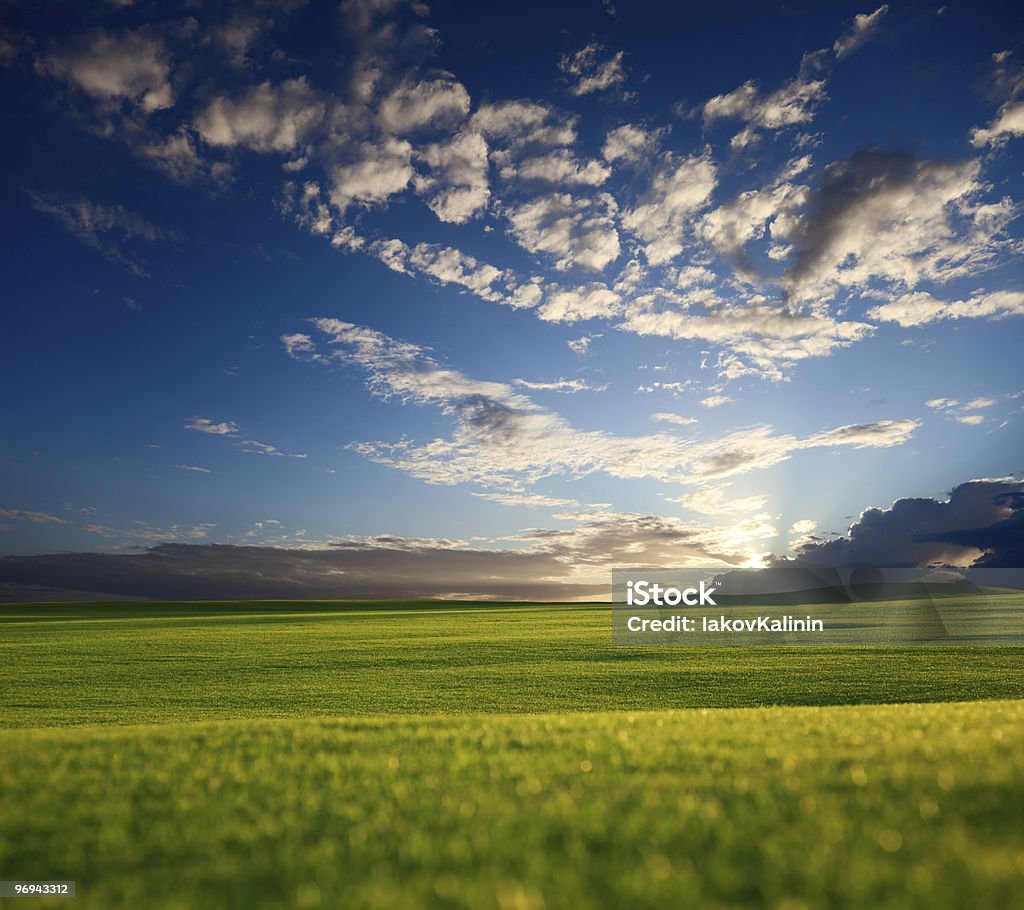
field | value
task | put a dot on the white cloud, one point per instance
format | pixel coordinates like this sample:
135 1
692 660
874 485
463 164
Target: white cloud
379 171
177 157
530 500
130 66
922 308
953 409
575 231
864 25
581 346
298 343
715 401
206 425
893 218
256 447
795 103
568 386
192 467
411 106
1008 124
266 118
753 214
502 438
713 500
667 417
522 123
592 70
771 337
630 143
456 187
880 434
558 167
573 304
803 526
678 189
446 265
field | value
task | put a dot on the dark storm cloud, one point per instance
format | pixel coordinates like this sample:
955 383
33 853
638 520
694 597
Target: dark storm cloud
982 523
388 568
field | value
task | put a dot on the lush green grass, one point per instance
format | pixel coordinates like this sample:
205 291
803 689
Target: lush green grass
191 662
905 806
469 755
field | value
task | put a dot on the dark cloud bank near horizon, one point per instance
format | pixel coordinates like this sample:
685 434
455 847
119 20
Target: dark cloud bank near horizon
981 524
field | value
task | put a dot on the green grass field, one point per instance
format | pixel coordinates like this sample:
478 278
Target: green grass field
407 755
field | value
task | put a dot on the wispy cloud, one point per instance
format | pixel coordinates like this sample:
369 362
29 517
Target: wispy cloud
862 28
593 69
503 438
110 230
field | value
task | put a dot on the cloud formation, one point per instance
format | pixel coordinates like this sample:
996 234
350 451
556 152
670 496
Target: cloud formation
503 439
593 70
131 67
112 230
980 524
863 27
266 118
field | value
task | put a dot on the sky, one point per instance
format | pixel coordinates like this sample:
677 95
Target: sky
385 298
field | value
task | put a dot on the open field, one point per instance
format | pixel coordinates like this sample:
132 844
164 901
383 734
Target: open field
495 756
907 806
156 663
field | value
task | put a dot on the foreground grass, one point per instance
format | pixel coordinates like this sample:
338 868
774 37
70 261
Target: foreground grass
899 806
165 663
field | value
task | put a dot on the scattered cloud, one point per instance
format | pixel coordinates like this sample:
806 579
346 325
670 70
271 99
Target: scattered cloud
206 425
414 106
964 412
111 230
581 346
593 70
131 67
456 183
266 118
575 231
34 517
1008 124
502 438
630 142
560 385
714 500
677 419
890 217
794 104
921 308
375 173
232 430
863 27
679 188
530 500
575 304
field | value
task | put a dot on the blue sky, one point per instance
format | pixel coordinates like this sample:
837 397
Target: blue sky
567 285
